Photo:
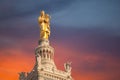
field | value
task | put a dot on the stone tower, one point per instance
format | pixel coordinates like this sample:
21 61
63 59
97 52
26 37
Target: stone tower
45 68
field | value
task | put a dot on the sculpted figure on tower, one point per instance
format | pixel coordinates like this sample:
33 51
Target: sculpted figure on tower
44 22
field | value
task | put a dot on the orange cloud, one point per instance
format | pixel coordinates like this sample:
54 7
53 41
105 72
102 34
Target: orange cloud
13 63
86 66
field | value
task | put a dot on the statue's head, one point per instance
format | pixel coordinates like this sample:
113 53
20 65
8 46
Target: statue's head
47 16
42 13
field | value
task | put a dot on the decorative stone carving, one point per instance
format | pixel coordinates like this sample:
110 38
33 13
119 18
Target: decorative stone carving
67 67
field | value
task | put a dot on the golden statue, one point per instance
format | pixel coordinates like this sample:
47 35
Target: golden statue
44 22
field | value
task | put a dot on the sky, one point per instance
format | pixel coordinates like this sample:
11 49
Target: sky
85 32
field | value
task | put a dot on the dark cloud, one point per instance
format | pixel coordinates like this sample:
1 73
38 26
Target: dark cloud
89 40
15 8
78 13
20 17
91 14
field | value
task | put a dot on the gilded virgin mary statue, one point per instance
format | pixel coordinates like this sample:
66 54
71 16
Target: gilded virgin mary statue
44 23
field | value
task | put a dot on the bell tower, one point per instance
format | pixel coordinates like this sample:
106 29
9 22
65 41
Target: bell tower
45 68
45 55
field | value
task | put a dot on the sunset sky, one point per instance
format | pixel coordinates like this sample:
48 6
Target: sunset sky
85 32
